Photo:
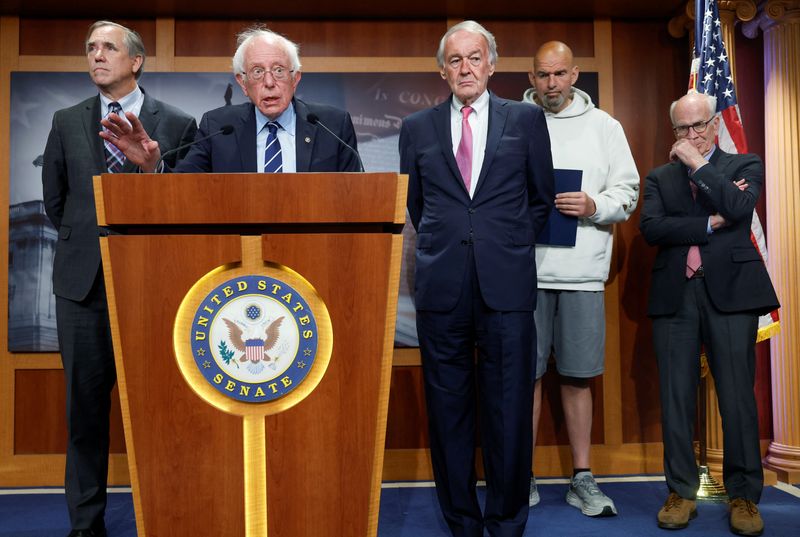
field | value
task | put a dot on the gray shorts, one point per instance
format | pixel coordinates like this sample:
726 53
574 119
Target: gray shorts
573 325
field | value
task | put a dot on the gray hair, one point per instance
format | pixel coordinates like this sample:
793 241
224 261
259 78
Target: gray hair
246 38
475 28
711 102
131 38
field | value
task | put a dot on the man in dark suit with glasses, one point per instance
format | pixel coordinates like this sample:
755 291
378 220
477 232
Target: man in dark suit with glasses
709 285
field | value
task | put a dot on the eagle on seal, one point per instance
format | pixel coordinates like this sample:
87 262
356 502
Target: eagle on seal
251 346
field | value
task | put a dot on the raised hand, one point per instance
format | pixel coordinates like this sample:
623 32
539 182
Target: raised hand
131 138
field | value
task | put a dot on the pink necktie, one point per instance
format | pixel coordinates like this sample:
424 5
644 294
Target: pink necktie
693 260
464 153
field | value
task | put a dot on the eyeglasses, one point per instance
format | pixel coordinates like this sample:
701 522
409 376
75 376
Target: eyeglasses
700 127
278 72
456 61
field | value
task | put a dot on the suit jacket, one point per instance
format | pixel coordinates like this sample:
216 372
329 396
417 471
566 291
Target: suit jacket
511 203
735 274
74 153
316 150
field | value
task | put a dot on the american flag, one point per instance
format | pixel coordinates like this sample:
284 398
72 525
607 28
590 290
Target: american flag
711 74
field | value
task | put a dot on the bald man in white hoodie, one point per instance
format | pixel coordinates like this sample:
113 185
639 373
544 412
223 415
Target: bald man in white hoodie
570 310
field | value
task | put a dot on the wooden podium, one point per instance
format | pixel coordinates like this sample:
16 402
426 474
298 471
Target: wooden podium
193 470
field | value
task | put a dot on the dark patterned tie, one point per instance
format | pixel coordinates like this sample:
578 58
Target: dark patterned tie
273 163
115 158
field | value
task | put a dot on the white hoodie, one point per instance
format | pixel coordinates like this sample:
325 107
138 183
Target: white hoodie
585 138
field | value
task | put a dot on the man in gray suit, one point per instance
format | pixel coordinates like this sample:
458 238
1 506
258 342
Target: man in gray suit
74 153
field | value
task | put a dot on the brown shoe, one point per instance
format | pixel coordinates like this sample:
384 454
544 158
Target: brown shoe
676 513
745 518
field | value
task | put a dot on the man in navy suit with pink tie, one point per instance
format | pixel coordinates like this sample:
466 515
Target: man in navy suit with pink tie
480 190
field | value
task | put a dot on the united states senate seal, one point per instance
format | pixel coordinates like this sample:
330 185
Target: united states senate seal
251 338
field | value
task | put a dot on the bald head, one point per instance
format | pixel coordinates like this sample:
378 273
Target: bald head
554 73
553 51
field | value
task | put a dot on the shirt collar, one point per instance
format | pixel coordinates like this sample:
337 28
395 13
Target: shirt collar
478 107
287 120
128 103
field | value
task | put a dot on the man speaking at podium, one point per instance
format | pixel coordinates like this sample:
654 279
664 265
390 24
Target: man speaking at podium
480 189
275 132
74 153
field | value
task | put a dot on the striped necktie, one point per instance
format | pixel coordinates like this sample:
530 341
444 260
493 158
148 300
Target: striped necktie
273 163
115 158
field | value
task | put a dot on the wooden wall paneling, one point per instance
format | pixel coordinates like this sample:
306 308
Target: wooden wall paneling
408 423
611 379
66 37
629 458
165 45
316 64
317 38
40 424
643 90
9 52
218 37
62 64
390 38
38 402
521 38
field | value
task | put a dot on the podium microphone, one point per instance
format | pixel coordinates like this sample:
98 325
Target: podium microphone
225 130
314 120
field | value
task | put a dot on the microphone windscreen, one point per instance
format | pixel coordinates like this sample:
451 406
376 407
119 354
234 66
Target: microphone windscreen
312 118
226 130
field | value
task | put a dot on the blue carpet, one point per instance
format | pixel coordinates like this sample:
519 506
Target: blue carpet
412 511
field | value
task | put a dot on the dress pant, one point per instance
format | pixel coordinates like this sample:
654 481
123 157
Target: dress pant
497 388
729 340
84 336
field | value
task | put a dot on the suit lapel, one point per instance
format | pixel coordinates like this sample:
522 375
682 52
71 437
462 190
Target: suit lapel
498 113
441 121
303 130
91 126
246 138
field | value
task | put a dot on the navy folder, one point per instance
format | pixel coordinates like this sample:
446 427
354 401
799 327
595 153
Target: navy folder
560 230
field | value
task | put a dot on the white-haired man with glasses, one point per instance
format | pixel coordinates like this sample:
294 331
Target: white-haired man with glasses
271 133
709 284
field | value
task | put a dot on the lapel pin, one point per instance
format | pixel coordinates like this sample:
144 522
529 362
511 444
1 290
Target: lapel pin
308 139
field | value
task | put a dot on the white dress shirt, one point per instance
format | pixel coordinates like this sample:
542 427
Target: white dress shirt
479 123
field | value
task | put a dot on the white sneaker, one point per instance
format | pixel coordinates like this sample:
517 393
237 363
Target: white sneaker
533 495
586 495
